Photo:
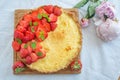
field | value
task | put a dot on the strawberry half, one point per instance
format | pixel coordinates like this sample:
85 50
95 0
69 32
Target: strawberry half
57 11
53 26
24 53
34 57
48 8
18 67
18 34
76 65
40 53
21 28
28 60
28 17
53 18
16 45
41 35
24 23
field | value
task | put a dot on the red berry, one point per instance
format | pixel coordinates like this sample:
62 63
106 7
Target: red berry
76 65
53 18
18 34
24 23
24 53
21 28
48 8
28 17
29 49
41 53
53 26
15 45
57 11
41 11
34 57
18 64
34 15
28 60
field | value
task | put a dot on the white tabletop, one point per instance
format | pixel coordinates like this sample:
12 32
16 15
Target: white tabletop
101 60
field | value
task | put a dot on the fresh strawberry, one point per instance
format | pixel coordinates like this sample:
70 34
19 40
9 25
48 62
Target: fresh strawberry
28 60
30 35
25 39
40 53
48 8
46 25
53 18
41 35
18 67
18 34
29 49
57 11
24 23
34 57
76 65
28 17
24 53
24 45
21 28
16 45
53 26
41 11
18 64
34 15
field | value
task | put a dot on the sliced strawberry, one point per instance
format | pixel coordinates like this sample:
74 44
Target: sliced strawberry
29 49
40 53
41 11
24 45
16 45
53 18
30 35
28 60
57 11
41 35
26 39
34 57
76 65
53 26
18 64
24 53
34 15
28 17
21 28
24 23
46 25
48 8
18 34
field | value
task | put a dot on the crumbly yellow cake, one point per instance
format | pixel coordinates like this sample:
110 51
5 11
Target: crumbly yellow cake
62 46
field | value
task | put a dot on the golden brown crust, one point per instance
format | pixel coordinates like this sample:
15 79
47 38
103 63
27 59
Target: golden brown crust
71 12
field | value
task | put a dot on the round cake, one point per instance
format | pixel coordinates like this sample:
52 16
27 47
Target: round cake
52 47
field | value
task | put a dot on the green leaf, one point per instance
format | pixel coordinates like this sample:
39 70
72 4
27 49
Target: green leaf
46 16
39 16
39 53
30 23
25 46
32 29
33 45
94 0
41 35
35 23
81 4
17 70
19 40
91 9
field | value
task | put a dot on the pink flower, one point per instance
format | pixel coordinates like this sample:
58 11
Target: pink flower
106 9
84 22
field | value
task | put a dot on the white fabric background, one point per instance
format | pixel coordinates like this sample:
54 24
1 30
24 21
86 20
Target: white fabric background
101 61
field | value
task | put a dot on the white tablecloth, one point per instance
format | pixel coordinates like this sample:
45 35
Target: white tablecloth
101 61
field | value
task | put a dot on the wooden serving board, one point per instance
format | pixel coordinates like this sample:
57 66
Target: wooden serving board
18 16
